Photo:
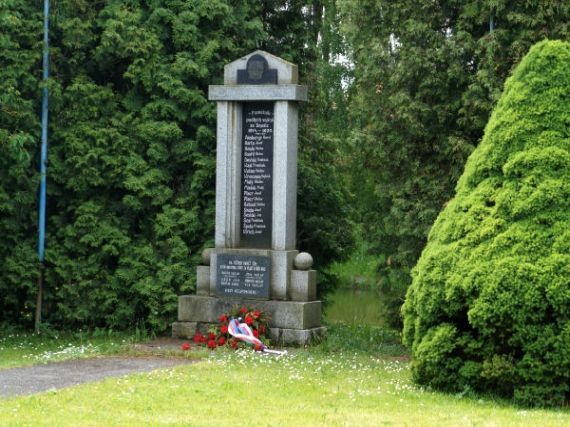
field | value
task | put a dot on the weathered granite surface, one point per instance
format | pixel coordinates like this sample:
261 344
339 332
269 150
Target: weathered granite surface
257 139
257 93
285 314
288 73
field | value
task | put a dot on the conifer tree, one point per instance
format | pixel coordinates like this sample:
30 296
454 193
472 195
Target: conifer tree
131 162
427 76
488 307
132 150
20 59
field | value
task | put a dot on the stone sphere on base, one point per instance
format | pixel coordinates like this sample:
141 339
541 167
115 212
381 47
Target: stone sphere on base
303 261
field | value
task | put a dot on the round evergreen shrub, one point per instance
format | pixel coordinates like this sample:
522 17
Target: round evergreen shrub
489 306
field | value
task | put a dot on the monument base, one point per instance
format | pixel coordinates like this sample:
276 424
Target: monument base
292 322
302 337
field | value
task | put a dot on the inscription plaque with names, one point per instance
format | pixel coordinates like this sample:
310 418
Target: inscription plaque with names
243 276
257 175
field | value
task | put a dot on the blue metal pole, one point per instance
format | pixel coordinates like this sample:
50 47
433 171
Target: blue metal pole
44 152
43 173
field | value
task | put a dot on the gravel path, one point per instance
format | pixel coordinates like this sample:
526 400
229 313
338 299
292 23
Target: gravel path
35 379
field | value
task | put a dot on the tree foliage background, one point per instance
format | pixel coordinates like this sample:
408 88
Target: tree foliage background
399 95
427 75
132 150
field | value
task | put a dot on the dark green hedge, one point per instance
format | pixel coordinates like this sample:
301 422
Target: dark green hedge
489 306
427 76
131 157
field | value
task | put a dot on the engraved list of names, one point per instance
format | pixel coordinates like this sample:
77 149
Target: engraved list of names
257 174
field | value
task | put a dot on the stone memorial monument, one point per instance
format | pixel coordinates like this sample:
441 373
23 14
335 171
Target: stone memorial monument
255 262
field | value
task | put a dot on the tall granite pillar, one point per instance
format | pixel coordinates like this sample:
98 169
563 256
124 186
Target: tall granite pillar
255 261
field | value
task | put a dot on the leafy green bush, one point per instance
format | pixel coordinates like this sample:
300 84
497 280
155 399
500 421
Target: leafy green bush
426 77
489 306
132 153
131 157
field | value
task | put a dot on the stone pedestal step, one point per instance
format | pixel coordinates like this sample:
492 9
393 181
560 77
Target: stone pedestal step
279 336
284 314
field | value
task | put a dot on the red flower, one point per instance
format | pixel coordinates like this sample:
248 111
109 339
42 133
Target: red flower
243 310
234 343
223 318
261 329
255 333
221 341
186 346
212 344
224 329
248 320
211 336
198 337
256 314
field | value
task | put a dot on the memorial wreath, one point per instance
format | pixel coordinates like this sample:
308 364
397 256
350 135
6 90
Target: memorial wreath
217 336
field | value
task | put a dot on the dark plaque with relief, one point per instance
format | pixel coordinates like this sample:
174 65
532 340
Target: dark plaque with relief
257 72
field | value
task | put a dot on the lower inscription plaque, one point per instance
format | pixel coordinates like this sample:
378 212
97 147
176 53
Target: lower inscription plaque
243 276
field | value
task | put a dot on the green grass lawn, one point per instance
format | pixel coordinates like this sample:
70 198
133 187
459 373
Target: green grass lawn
31 349
328 385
